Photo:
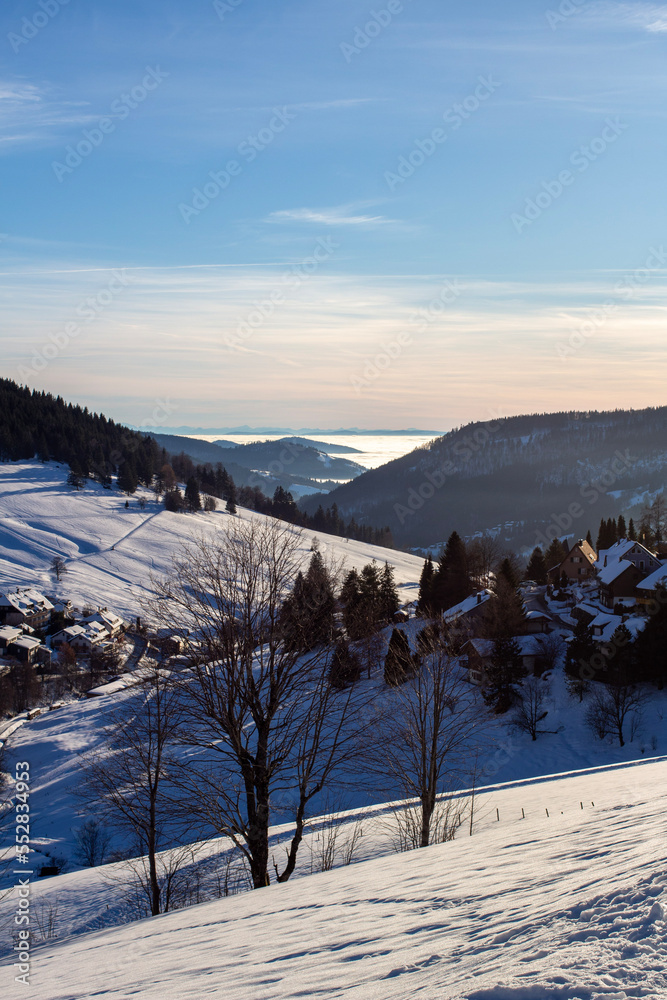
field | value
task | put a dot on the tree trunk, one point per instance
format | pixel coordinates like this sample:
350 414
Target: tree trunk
152 864
428 805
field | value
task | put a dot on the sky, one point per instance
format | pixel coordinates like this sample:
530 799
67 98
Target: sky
412 213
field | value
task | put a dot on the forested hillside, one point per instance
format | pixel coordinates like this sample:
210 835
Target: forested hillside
513 474
39 424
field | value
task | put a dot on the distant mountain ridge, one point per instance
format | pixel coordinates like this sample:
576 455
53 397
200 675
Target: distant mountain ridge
521 477
270 463
292 431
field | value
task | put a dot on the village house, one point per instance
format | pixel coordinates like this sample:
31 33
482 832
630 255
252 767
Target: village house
537 622
25 607
585 612
578 565
113 625
466 617
82 638
8 633
641 558
479 656
26 649
647 587
620 570
618 583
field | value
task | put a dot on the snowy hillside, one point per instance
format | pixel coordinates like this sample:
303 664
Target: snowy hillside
110 550
568 903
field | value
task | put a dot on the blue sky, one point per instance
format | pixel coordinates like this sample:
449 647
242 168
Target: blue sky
334 213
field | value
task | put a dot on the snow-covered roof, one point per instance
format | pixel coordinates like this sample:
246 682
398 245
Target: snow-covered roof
71 632
613 570
529 645
619 551
474 601
27 601
107 619
610 623
538 616
26 642
9 632
657 579
587 609
92 632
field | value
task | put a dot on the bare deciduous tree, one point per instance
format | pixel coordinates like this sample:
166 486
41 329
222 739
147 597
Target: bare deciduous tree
552 646
92 843
531 711
483 555
59 567
429 731
274 730
611 706
128 779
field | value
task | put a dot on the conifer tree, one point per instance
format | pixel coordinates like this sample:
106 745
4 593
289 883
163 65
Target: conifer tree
398 664
537 568
580 653
192 496
554 554
507 571
294 617
602 534
504 673
127 477
321 602
345 667
230 506
589 538
452 582
504 620
621 529
425 599
651 643
388 593
75 478
632 531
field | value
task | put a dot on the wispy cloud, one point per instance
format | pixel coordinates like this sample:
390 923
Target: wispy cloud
651 17
30 113
341 216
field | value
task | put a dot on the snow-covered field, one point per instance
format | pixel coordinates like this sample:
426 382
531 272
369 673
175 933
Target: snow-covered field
110 550
565 906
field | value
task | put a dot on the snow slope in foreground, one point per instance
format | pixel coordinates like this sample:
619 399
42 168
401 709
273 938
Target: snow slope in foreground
569 906
110 550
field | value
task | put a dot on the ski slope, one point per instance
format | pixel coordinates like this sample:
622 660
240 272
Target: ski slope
568 903
110 551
